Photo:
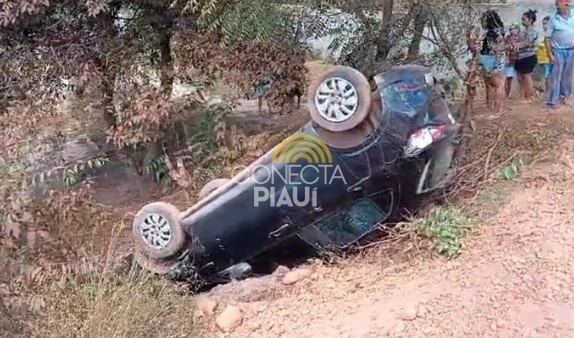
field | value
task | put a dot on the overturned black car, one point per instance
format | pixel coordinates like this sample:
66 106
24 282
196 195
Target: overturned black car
352 167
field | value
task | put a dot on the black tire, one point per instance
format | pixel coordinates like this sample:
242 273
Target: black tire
168 216
211 186
153 265
351 79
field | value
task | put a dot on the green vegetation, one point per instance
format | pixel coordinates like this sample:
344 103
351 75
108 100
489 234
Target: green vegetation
446 226
512 171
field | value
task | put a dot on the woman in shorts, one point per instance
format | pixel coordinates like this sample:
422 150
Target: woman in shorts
493 59
526 58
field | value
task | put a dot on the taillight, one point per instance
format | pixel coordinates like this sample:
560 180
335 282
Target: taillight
421 139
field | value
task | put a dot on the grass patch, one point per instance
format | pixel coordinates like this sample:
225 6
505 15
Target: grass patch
59 276
446 226
490 199
441 231
114 304
512 171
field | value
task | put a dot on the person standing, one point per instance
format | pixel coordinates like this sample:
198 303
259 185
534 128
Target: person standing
542 55
493 59
559 39
510 39
526 58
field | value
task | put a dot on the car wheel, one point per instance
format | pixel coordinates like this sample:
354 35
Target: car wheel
211 187
153 265
357 136
157 230
340 99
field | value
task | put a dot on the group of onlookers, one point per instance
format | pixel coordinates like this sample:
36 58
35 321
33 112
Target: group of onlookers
519 52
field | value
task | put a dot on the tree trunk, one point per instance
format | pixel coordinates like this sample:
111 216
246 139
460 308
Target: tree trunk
108 72
419 21
108 103
383 42
166 62
107 87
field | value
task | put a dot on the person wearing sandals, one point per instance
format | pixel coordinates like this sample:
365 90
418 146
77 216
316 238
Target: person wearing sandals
526 58
493 59
559 39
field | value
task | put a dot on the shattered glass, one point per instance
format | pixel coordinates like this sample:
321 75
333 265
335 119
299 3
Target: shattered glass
348 225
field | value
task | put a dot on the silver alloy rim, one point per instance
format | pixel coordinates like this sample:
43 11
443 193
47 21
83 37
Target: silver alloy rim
336 99
156 231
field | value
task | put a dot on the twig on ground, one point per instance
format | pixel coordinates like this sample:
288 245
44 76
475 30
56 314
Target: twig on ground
506 161
490 151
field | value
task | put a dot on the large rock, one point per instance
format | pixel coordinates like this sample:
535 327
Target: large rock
297 275
206 305
409 312
79 149
229 319
50 160
246 291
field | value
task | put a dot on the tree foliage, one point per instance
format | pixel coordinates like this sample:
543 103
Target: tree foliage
126 56
372 36
123 57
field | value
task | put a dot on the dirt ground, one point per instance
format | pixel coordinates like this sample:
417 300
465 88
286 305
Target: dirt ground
514 278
